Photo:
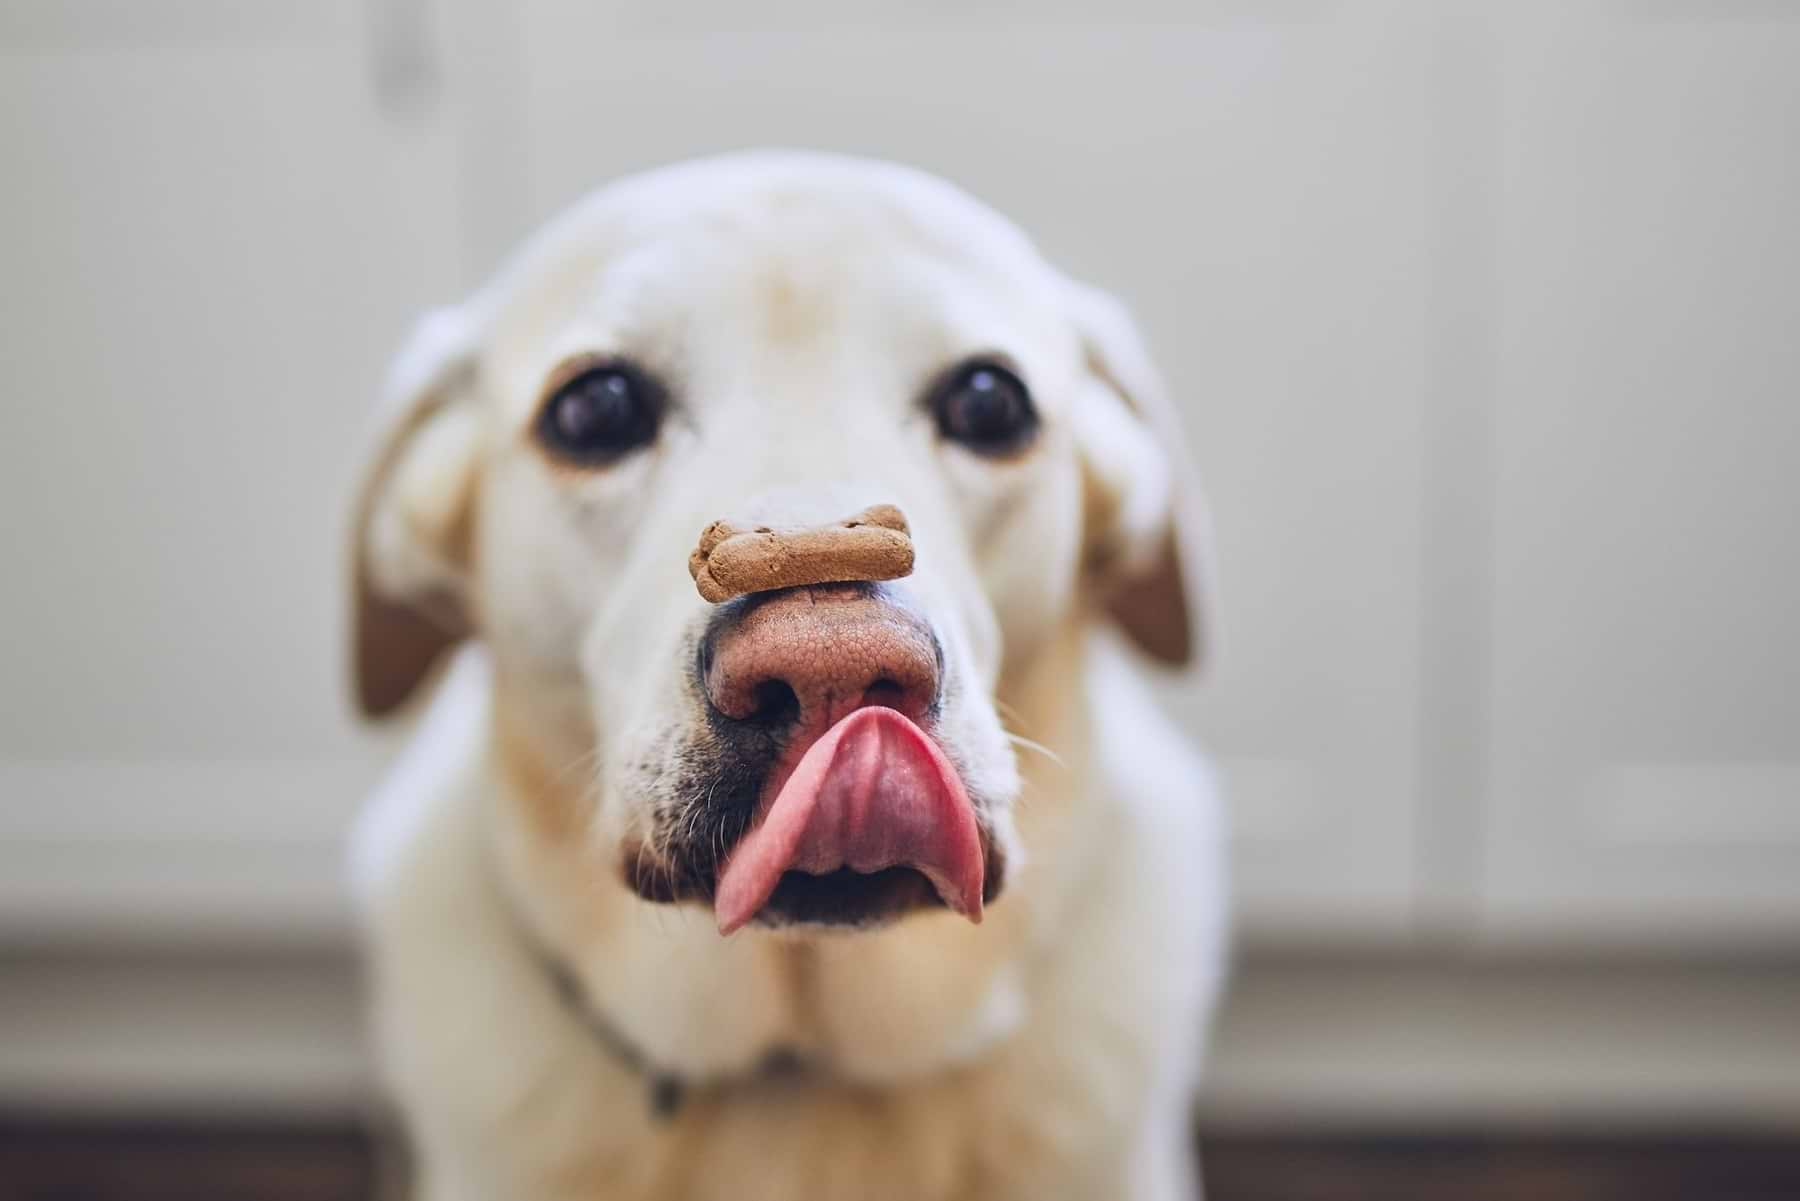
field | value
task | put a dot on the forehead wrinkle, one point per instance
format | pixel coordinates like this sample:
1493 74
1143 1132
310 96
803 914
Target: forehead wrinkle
793 310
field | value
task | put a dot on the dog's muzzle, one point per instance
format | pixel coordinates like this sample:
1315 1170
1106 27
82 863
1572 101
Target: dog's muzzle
862 814
820 792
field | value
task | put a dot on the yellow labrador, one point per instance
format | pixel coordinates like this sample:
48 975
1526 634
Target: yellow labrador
898 889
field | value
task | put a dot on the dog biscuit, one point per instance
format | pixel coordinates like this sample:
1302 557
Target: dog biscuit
732 560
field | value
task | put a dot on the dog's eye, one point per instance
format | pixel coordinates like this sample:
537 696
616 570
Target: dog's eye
986 408
603 413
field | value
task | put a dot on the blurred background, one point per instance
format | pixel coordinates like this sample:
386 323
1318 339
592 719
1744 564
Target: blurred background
1486 320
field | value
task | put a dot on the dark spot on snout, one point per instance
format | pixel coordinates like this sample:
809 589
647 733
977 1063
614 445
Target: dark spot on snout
720 773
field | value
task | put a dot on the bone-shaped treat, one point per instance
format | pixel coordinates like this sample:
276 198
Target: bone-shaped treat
732 560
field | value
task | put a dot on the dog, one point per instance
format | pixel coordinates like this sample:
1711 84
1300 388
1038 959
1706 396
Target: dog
876 888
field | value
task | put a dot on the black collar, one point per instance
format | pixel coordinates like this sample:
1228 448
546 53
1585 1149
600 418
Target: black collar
666 1090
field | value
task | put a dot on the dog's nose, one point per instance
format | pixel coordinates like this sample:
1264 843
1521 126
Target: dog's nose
818 653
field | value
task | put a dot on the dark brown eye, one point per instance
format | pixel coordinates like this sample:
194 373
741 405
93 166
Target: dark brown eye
986 408
602 414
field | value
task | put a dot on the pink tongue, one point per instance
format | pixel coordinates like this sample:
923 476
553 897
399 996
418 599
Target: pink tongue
875 792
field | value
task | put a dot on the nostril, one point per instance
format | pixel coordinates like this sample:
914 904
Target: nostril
773 702
886 693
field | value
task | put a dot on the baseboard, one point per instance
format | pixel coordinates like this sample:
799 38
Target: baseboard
1459 1043
1401 1045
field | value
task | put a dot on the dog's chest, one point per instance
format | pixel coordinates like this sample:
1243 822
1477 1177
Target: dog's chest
945 1138
882 1080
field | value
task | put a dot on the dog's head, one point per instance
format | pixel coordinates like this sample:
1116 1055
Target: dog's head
778 341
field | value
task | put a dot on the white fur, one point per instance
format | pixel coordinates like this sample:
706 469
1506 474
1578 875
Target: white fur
1051 1051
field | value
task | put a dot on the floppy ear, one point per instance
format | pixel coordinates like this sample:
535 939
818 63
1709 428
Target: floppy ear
411 529
1148 533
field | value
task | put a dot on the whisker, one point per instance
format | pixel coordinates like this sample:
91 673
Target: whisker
1009 714
1019 740
587 758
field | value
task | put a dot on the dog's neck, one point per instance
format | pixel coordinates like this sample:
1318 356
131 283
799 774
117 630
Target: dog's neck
705 1010
666 1089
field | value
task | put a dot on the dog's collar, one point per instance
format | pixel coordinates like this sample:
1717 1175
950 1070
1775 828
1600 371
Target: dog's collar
666 1090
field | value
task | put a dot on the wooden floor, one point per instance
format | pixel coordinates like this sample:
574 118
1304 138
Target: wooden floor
1501 1169
42 1161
